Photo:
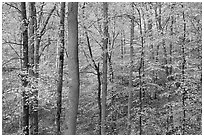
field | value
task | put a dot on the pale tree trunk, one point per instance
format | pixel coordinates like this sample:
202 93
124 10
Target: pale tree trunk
60 70
130 72
25 94
73 61
104 80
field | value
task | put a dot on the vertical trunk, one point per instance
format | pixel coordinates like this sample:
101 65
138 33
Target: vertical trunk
99 96
73 94
25 119
170 115
130 72
183 74
60 70
141 71
34 111
32 12
104 82
32 16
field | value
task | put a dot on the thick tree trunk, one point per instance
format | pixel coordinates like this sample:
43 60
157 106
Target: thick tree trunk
25 94
60 70
104 82
73 94
33 115
130 72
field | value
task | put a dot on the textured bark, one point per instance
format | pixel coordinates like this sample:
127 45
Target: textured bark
25 94
32 26
130 72
104 81
60 70
32 16
73 94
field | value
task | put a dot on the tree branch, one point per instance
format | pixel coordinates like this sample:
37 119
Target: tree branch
13 7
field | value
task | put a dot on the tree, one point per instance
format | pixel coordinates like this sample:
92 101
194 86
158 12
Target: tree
104 81
34 100
60 70
131 70
184 94
73 93
25 94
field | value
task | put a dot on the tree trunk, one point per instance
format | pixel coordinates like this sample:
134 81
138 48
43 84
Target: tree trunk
141 72
73 94
130 72
183 75
33 121
99 96
60 70
25 94
105 54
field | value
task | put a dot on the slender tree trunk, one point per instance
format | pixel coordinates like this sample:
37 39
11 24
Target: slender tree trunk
73 94
97 69
183 75
25 94
99 97
170 116
60 70
104 82
130 72
141 71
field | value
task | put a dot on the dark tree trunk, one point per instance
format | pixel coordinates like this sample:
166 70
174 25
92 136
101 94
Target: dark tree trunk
73 94
105 54
25 94
183 74
99 96
33 121
60 70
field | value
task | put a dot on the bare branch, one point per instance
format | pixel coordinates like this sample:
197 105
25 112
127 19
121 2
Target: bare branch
13 7
47 20
11 60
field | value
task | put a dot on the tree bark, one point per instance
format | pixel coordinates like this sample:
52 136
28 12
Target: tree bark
105 54
73 94
60 70
33 104
25 94
130 72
